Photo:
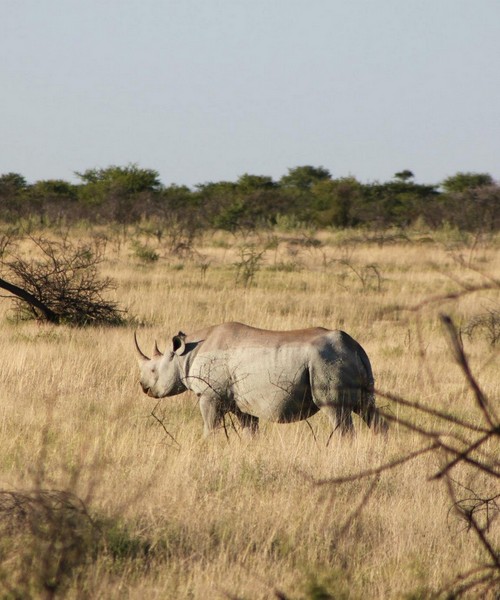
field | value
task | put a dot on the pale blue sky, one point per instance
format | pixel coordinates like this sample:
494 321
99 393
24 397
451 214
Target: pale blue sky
206 90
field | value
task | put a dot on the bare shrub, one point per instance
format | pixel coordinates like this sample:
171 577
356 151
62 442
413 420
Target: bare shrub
175 234
249 263
50 538
62 284
7 239
144 253
180 235
48 535
366 274
486 324
306 240
369 275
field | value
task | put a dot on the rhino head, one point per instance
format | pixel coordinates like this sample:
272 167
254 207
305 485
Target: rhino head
162 374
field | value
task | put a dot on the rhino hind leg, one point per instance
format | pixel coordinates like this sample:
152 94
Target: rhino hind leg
338 404
340 417
378 422
344 419
370 414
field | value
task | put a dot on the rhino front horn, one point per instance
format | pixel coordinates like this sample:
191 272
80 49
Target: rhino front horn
140 352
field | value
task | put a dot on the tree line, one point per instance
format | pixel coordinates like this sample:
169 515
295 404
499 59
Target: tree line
306 195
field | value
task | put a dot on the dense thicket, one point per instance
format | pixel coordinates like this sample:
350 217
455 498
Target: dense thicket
306 194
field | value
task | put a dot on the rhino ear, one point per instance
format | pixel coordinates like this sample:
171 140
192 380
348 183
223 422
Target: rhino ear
179 343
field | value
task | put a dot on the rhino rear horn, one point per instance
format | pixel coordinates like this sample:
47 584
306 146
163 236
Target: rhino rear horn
179 343
157 350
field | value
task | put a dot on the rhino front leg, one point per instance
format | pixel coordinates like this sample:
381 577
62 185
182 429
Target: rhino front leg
211 413
249 424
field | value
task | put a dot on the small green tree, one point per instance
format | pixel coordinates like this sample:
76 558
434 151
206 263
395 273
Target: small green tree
304 177
393 203
475 209
404 176
53 200
53 189
460 182
214 198
119 192
251 183
129 180
334 200
12 194
12 183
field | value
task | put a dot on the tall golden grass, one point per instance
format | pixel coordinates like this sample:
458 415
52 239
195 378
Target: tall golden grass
175 516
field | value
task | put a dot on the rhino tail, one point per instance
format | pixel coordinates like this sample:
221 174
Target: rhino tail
371 413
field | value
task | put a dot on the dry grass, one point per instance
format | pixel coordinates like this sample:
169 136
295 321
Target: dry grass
219 518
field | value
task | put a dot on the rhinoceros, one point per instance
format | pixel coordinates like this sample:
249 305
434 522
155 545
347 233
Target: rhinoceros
279 376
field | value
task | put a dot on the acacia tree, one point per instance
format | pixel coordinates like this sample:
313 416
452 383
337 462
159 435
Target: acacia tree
334 200
475 209
404 176
12 183
12 190
463 181
304 177
120 192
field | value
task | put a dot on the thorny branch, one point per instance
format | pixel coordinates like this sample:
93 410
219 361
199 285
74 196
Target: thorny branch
378 470
466 443
160 421
462 361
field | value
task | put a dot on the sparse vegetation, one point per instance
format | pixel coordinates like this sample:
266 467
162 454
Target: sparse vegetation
107 493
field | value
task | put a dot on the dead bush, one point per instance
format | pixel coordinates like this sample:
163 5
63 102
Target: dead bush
486 324
61 284
47 536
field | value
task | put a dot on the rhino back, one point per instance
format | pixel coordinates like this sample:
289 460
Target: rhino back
238 335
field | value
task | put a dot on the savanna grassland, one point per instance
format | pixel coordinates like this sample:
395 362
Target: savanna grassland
115 495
